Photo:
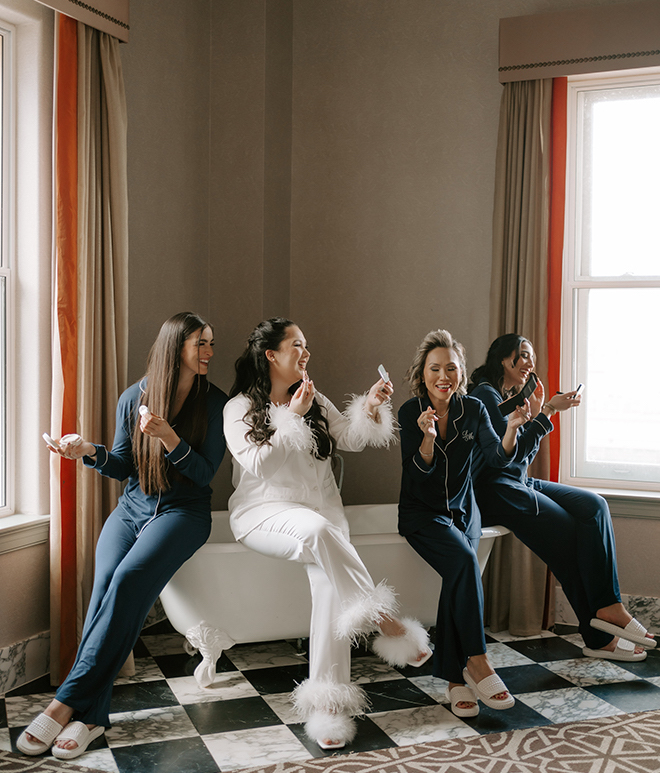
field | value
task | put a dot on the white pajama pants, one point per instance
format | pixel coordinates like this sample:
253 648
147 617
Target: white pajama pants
336 575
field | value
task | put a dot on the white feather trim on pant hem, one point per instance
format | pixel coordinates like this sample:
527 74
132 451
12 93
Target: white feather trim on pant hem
322 695
294 430
363 614
365 431
401 650
330 727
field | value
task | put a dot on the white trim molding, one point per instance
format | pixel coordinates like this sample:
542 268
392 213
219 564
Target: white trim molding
23 531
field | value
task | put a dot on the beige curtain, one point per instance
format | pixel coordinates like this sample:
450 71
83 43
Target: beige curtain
101 262
515 579
102 275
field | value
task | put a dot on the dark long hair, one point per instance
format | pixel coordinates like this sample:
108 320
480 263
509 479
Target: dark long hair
492 370
160 384
253 379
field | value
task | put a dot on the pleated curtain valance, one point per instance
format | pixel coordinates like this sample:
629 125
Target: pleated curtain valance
109 16
596 39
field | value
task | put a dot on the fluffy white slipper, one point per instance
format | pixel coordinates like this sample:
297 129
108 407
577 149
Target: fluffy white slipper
486 688
404 650
323 726
321 695
462 694
624 650
44 729
634 632
362 614
81 734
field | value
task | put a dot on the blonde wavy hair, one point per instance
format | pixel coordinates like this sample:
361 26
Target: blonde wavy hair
436 339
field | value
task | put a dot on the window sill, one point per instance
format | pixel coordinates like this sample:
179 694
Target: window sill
627 503
23 531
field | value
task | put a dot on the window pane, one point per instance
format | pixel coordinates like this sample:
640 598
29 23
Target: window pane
618 423
621 195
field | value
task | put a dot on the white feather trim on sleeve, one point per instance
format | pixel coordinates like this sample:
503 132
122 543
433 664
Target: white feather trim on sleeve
293 429
366 431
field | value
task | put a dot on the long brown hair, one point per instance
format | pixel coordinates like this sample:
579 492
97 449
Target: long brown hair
159 387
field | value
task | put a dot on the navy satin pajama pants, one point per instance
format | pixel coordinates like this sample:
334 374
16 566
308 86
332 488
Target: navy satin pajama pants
572 533
130 573
459 631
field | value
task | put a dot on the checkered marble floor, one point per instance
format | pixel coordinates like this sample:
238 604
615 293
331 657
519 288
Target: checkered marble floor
162 721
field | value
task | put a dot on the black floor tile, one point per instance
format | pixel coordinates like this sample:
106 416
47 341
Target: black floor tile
269 681
184 755
395 694
40 685
490 640
518 717
545 649
140 650
369 737
562 629
142 695
644 668
164 626
629 696
531 678
3 713
183 664
226 716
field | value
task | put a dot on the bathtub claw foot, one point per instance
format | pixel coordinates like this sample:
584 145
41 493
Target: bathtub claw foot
210 642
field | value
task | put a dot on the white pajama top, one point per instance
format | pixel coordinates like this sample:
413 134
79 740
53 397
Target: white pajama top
285 471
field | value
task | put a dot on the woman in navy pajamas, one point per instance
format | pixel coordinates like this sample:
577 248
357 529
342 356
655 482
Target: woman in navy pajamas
567 527
162 518
440 429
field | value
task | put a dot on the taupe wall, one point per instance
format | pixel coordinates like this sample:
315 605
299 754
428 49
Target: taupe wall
167 74
330 160
24 602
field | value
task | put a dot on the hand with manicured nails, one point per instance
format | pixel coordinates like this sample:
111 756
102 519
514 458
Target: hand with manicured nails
303 397
379 393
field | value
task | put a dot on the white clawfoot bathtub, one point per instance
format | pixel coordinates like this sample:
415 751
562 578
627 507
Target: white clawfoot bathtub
226 593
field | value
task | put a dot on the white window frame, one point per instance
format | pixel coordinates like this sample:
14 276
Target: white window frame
571 368
7 181
31 303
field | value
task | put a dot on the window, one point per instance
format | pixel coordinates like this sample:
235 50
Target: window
611 303
5 279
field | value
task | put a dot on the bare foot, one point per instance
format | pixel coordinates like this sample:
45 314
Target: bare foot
479 668
617 614
390 626
612 646
461 704
69 743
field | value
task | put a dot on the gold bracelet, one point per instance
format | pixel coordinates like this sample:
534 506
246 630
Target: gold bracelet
552 408
421 453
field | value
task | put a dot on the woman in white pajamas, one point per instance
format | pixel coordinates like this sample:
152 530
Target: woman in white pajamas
282 435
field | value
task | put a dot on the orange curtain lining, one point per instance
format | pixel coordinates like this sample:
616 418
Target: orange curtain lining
66 238
555 251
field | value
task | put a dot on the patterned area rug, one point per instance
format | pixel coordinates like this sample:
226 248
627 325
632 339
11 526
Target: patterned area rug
17 763
627 743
